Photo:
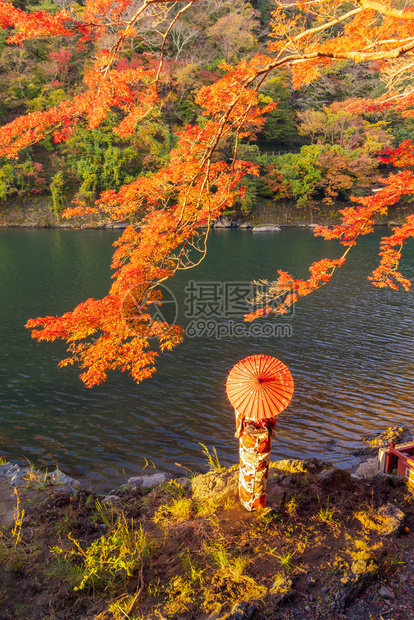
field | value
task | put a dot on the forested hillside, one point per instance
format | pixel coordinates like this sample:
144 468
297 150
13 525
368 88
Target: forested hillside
311 149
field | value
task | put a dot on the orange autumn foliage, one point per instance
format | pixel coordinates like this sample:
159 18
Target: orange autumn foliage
176 205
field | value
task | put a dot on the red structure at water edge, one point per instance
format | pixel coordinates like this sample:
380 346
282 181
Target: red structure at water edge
259 387
398 460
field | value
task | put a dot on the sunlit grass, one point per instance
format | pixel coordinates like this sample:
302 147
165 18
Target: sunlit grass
112 557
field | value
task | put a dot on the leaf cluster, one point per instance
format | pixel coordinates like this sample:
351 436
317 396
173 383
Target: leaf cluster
132 80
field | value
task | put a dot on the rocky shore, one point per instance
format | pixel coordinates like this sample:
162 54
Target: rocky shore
331 543
266 216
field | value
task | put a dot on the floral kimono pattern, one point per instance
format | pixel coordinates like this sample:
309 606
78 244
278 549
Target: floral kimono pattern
254 454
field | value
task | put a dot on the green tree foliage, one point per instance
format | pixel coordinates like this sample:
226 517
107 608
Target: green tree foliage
22 178
300 175
337 124
234 33
402 128
42 73
99 160
280 126
340 161
57 190
321 172
6 180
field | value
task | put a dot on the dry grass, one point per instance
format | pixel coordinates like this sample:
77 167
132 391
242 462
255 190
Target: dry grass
162 554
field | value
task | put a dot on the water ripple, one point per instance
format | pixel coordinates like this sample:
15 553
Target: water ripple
351 355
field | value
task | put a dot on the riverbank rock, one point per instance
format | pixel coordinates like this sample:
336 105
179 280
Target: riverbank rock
335 476
116 226
397 434
367 469
241 611
224 222
393 519
29 486
147 482
269 228
7 505
386 593
216 486
16 475
111 500
297 466
21 476
58 478
183 481
373 442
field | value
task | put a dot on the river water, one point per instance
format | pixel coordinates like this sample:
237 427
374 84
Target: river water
349 346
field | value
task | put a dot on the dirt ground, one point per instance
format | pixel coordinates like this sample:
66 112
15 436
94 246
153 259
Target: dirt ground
321 549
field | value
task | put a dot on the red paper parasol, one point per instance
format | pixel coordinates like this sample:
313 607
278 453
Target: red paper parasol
260 387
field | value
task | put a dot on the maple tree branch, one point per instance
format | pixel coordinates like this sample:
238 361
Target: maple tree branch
399 95
323 27
298 58
384 10
401 70
387 41
117 47
357 56
364 4
203 251
165 35
363 56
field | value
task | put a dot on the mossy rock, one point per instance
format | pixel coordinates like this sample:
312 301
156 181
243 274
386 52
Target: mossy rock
296 466
216 486
392 433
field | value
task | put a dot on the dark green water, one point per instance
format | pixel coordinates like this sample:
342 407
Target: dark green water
349 347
